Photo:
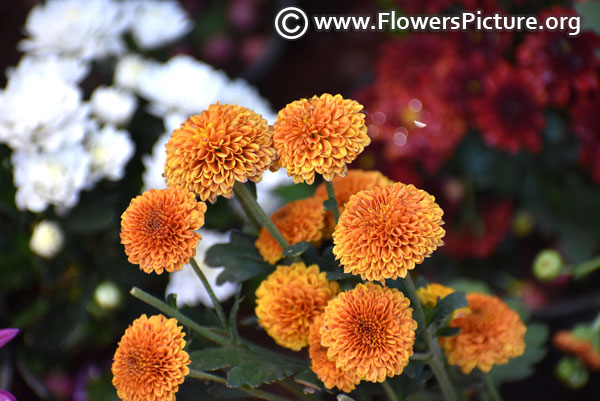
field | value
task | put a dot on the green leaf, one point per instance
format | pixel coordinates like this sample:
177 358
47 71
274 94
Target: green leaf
308 379
233 329
447 332
523 366
412 380
91 217
296 249
446 306
590 15
172 300
290 193
251 367
239 257
586 268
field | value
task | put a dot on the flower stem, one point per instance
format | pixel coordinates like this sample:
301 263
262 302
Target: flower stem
389 391
436 363
332 199
249 203
211 293
181 318
421 357
263 395
491 388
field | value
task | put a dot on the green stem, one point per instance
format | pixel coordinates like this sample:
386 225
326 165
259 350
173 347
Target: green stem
436 363
249 203
332 199
263 395
181 318
389 391
421 357
211 293
491 388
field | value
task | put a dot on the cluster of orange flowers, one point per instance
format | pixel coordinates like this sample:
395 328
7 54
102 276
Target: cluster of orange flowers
366 333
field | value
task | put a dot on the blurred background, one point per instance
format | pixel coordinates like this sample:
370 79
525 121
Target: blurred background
508 142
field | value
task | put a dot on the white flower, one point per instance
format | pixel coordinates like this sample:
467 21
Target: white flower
155 164
265 189
86 29
109 150
243 94
113 105
183 84
154 23
41 110
47 239
128 71
49 178
186 284
68 69
107 295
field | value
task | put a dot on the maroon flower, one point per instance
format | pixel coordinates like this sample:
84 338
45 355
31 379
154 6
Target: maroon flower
510 116
586 125
560 63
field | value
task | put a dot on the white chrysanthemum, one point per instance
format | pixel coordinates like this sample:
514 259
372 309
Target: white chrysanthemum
265 189
54 178
68 69
110 149
154 23
186 284
183 84
155 164
85 29
113 105
47 239
243 94
128 71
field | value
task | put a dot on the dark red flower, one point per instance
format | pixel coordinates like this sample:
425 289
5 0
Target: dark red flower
558 62
479 237
510 116
586 125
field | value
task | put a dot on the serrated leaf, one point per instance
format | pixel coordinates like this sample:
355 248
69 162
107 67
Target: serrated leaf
447 332
296 249
251 367
523 366
307 378
446 306
239 257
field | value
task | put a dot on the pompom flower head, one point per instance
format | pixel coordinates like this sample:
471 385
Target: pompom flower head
319 135
290 299
301 220
383 232
325 369
150 363
369 332
213 150
354 182
490 335
157 229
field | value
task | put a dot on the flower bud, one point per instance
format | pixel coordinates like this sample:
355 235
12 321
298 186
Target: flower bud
107 295
572 373
548 265
47 239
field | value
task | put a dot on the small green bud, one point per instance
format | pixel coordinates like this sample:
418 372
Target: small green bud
548 265
107 295
572 372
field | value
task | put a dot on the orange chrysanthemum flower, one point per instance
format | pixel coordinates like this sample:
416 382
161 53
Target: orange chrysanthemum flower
301 220
319 135
579 346
325 369
369 332
289 300
384 231
213 150
490 335
345 187
157 229
150 363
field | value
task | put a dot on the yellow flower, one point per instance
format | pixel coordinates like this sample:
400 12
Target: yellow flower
213 150
157 229
319 135
325 369
150 363
385 231
369 332
428 296
289 300
490 335
356 181
301 220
